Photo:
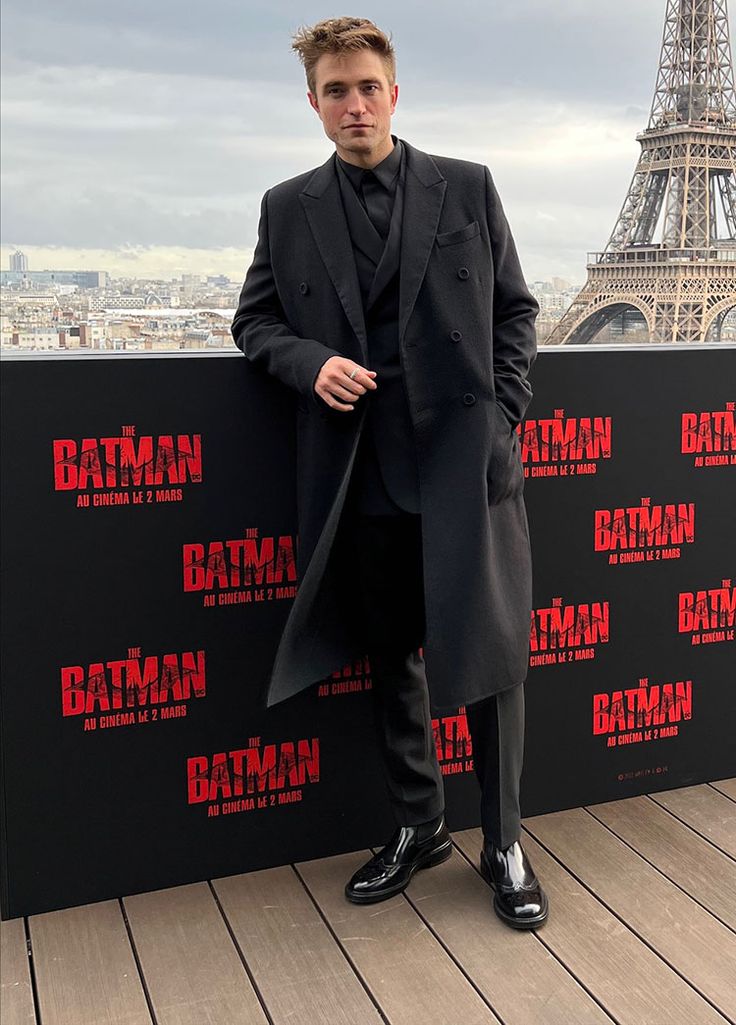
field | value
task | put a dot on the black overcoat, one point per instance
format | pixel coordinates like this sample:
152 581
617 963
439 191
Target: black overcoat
467 343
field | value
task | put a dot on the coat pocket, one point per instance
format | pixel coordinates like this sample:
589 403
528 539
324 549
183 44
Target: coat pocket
450 238
505 475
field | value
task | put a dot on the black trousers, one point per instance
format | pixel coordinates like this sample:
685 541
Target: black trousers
379 560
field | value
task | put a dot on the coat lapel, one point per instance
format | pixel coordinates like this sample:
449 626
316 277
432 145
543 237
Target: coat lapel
323 207
423 199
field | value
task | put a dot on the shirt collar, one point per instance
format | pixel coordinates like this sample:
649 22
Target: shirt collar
386 171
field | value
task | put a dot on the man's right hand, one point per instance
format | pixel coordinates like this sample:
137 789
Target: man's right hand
335 386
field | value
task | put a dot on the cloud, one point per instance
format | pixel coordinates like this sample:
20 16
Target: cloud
541 42
161 125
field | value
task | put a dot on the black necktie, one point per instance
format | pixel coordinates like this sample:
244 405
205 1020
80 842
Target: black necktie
377 202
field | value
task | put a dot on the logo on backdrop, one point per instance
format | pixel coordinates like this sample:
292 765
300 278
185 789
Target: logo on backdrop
567 633
253 778
708 615
241 570
353 678
649 711
645 532
132 691
710 437
452 743
127 469
564 446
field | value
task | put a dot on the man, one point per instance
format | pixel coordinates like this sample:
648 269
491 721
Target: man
385 289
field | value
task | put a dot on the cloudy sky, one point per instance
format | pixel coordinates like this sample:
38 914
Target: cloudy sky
138 137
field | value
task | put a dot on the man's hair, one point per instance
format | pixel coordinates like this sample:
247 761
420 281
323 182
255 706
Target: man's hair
341 36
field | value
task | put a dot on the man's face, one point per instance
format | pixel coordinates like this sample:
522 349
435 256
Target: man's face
355 102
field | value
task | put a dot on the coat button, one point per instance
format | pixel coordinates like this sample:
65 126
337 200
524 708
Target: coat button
456 335
463 273
303 287
469 398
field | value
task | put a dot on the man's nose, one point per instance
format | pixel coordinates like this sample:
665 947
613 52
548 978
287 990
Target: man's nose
356 102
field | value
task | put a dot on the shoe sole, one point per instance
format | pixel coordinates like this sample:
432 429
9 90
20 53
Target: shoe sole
515 923
435 858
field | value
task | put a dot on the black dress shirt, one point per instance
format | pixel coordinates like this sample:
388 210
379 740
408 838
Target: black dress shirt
376 187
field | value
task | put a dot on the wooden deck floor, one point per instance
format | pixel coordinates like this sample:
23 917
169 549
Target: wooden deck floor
642 931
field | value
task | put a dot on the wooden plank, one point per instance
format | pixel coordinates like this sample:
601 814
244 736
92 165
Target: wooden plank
726 786
85 969
679 930
16 992
683 856
409 974
298 966
627 978
518 976
192 969
711 814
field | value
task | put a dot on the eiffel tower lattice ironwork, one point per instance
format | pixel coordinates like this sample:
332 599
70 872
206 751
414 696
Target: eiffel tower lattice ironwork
665 256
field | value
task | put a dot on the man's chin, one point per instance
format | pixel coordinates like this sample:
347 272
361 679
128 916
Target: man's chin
358 143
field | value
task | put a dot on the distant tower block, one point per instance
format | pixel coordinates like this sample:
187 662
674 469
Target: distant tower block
18 261
672 254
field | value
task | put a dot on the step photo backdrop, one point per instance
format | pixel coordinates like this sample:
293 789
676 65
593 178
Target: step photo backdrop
148 544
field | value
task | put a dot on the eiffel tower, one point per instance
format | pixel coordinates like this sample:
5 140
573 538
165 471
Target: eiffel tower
665 257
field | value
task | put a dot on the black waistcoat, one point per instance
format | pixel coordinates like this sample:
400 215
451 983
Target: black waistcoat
385 477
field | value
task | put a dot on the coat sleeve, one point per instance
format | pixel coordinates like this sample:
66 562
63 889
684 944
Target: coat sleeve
514 313
260 328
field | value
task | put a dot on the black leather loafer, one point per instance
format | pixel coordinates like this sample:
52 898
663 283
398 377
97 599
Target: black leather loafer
519 899
389 871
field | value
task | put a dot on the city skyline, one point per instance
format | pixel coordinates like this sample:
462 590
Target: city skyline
109 127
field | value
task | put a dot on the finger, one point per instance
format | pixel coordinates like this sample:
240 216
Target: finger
352 386
361 377
341 406
333 403
340 392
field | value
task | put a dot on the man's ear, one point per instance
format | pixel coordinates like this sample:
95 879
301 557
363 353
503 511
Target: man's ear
312 101
395 97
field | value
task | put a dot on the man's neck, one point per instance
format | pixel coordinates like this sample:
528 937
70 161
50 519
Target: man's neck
366 160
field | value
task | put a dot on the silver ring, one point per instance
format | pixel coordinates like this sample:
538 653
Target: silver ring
353 373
